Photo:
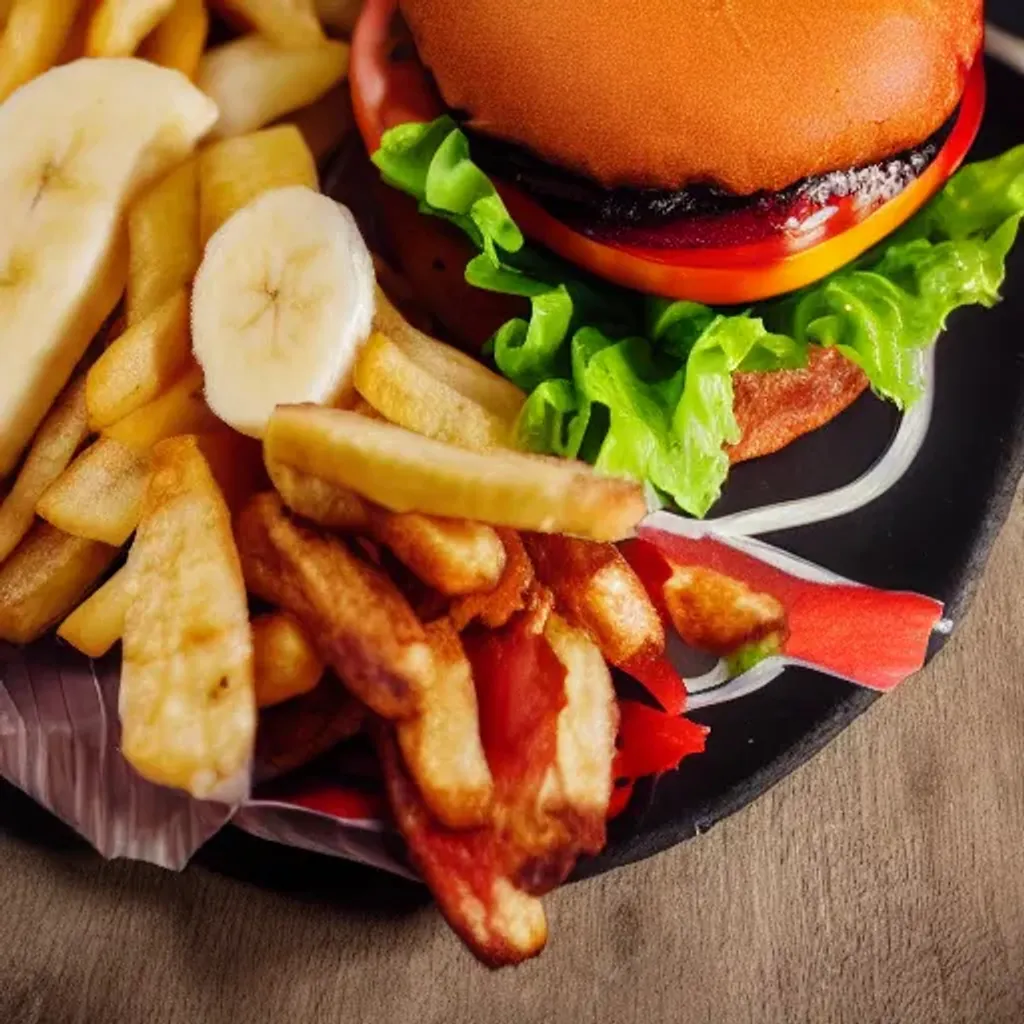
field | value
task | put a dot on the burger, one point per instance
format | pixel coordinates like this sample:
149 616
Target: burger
725 221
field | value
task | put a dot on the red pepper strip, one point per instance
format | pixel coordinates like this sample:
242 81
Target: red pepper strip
652 742
658 676
621 795
875 638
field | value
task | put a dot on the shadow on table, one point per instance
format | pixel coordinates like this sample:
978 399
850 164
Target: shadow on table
290 872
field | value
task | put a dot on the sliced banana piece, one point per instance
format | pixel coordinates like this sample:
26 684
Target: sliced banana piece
76 145
281 305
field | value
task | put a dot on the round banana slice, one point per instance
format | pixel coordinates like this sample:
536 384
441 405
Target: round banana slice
282 302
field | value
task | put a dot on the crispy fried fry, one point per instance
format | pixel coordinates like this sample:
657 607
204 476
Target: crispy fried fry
406 393
325 123
408 473
141 364
32 40
466 873
495 607
163 241
289 24
119 26
234 172
98 623
236 462
774 409
468 376
178 41
58 438
45 577
360 623
254 82
596 589
716 613
441 746
99 496
181 409
285 662
292 734
188 713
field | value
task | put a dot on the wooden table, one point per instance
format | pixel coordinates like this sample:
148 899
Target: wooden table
883 882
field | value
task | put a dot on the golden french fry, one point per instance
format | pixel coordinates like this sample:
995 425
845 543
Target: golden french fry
163 241
58 438
188 713
341 15
598 591
361 625
179 40
5 11
514 592
405 472
141 364
285 662
442 746
99 496
409 395
236 462
179 410
454 556
325 123
323 503
98 623
461 372
254 82
290 24
32 40
234 172
119 26
45 578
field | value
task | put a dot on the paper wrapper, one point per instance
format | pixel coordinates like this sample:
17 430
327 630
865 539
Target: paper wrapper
60 737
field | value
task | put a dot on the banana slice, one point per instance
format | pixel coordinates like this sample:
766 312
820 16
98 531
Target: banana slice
281 305
76 145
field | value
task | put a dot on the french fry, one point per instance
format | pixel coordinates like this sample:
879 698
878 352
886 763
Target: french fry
466 871
454 556
188 714
119 26
325 123
407 394
341 15
141 364
285 662
290 24
32 40
598 591
236 462
99 496
97 624
74 43
179 40
163 241
405 472
58 438
441 746
179 410
254 82
234 172
511 594
5 11
361 625
45 578
292 734
469 377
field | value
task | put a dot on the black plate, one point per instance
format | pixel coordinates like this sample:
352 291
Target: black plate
930 533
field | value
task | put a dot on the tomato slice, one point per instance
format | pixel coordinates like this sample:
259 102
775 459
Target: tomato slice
390 86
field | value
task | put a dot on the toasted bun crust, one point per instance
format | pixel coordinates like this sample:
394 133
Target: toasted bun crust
745 94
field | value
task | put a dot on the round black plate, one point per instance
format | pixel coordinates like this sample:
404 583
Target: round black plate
930 533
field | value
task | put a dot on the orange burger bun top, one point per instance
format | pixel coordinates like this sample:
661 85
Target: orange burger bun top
748 95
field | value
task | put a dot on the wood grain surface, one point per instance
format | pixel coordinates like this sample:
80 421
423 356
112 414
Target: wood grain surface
883 882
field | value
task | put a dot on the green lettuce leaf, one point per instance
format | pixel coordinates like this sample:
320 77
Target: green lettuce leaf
643 386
